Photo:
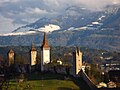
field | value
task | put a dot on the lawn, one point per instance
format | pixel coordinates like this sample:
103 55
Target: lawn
44 81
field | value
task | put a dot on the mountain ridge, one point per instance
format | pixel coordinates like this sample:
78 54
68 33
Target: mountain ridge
100 30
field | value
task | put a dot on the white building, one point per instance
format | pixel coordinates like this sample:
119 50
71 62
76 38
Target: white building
102 85
33 55
45 52
111 85
11 57
77 61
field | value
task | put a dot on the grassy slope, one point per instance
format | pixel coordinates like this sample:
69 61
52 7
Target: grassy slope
46 85
44 82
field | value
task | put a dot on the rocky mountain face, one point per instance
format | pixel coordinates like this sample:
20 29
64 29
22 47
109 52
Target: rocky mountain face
75 27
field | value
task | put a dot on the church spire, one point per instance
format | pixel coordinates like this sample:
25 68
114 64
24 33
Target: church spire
32 45
33 48
11 51
45 53
45 42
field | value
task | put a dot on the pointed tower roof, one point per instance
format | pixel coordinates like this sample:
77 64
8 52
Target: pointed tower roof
33 48
11 51
45 42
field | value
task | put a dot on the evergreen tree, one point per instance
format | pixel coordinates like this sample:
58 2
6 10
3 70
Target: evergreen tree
17 59
22 59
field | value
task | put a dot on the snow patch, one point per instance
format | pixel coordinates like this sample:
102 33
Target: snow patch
83 28
49 28
101 18
95 22
18 33
71 28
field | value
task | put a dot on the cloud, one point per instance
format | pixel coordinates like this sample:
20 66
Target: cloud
21 12
90 4
36 11
6 25
7 1
97 4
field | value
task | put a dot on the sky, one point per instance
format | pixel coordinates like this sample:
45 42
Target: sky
16 13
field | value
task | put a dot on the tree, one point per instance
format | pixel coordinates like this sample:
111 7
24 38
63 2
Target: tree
67 67
17 59
1 60
1 57
22 59
87 71
94 73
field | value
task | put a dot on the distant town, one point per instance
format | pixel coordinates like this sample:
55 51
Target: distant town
98 69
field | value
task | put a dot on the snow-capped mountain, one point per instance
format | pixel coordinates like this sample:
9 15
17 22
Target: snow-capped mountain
77 17
76 26
46 28
72 17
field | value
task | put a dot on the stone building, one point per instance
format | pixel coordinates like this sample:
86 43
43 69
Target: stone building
45 53
77 61
11 57
33 55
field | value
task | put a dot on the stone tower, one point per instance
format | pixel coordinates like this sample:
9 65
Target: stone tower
77 61
33 55
10 57
45 52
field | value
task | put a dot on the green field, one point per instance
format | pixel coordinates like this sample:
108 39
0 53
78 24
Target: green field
46 81
45 85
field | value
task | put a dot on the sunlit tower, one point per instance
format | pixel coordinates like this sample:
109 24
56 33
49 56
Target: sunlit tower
33 55
10 57
45 52
77 61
